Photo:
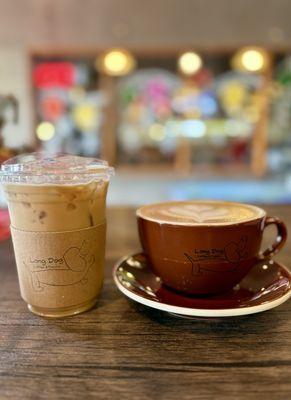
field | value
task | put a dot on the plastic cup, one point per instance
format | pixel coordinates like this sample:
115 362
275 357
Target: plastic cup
57 207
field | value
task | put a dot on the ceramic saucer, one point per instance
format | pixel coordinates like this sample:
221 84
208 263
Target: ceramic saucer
267 285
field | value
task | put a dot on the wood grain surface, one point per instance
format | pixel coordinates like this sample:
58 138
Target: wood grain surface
121 350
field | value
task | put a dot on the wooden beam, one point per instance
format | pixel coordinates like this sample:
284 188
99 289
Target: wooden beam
259 143
108 86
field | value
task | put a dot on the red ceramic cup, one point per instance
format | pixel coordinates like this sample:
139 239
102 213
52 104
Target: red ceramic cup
201 258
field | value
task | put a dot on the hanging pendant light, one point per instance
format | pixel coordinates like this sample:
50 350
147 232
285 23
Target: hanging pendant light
116 62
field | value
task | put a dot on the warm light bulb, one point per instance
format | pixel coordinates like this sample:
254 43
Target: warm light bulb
252 60
116 62
45 131
189 63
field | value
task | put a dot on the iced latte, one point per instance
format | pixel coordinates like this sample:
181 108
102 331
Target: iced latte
57 209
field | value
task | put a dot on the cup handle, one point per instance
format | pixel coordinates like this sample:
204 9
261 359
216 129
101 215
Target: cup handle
280 239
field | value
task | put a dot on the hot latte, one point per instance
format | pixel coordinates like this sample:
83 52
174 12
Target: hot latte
199 212
204 247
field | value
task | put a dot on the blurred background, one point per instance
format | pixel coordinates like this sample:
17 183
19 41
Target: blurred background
186 99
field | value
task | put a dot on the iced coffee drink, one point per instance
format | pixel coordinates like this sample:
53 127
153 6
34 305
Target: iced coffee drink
57 209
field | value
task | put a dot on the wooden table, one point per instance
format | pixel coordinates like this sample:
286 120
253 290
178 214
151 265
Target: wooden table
121 350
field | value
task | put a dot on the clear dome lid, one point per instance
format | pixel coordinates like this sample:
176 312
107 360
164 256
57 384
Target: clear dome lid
43 168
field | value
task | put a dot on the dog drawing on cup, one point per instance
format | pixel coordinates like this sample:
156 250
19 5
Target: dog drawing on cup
233 253
76 263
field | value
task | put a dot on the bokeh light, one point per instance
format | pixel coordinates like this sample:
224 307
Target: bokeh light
86 117
251 59
193 128
189 63
116 62
157 132
45 131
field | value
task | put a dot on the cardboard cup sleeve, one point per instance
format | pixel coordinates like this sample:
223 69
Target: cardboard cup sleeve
60 269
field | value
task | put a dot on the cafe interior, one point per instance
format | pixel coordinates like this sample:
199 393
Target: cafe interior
118 298
181 106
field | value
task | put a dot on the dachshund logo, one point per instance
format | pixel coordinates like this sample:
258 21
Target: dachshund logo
72 268
232 253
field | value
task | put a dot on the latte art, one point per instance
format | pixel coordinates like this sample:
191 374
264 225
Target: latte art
197 213
212 212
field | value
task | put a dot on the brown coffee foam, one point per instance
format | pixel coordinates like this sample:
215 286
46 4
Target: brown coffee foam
60 269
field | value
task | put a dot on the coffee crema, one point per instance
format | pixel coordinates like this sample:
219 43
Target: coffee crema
199 212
